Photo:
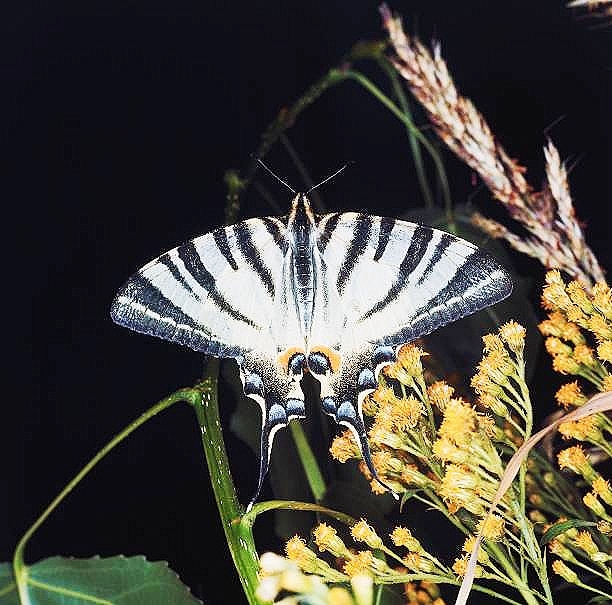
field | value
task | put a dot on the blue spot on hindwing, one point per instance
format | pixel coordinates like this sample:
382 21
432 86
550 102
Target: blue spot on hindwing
253 384
346 411
366 380
318 363
383 354
277 415
295 407
329 405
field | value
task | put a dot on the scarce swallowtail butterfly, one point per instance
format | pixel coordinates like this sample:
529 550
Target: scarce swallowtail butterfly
335 295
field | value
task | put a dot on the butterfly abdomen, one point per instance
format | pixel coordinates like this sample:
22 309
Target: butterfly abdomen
302 280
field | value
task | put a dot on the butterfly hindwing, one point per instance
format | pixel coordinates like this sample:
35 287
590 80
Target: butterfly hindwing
274 383
389 282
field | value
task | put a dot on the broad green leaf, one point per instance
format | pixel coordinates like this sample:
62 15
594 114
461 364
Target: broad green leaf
111 581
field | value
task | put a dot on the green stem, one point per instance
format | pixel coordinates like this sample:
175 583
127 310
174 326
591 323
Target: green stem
19 568
248 519
240 541
398 91
309 461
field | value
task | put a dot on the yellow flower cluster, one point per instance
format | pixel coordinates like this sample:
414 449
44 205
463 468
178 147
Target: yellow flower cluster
279 575
578 332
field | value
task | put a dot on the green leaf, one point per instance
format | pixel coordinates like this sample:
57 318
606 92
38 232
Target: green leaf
115 580
558 528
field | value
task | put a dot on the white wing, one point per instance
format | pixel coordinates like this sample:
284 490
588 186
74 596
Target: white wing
225 294
396 281
214 293
388 282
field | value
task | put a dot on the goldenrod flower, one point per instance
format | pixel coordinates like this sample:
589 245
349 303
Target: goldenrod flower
447 451
570 395
497 366
358 564
600 327
554 295
460 567
492 528
459 488
415 561
402 536
408 365
459 422
439 394
384 395
296 550
579 297
601 488
577 461
483 384
584 354
513 334
604 351
558 326
557 547
602 299
606 383
592 502
362 532
344 447
585 429
565 364
604 527
492 342
584 541
555 346
326 538
406 413
561 569
468 546
575 314
490 402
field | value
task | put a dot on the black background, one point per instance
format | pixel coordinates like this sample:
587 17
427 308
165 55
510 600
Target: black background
119 126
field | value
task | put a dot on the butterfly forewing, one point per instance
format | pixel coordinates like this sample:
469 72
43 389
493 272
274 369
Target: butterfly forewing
397 281
212 293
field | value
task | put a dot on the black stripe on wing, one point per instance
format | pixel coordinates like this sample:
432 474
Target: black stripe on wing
141 307
479 283
329 226
441 246
357 246
276 230
220 237
386 226
193 263
252 255
167 261
421 239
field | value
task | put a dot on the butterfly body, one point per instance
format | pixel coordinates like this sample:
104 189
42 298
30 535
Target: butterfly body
333 295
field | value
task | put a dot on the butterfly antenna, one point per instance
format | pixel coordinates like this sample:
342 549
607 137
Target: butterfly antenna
275 175
330 177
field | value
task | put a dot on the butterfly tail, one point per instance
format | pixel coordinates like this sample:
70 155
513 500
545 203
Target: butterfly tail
281 400
347 414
